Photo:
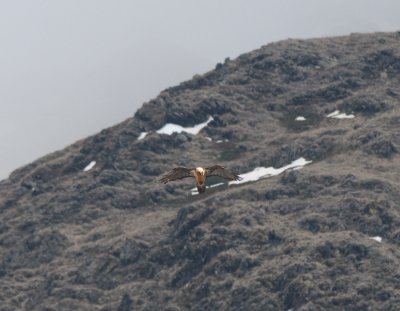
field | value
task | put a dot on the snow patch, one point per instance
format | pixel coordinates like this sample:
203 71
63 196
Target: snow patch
333 114
142 135
89 166
376 238
264 172
300 118
337 115
216 185
170 128
261 172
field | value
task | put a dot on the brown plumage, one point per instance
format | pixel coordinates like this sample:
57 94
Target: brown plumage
200 174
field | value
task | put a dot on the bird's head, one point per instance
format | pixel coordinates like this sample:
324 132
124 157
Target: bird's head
200 171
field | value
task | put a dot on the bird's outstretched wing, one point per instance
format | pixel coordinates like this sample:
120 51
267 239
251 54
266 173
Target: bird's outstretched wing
177 173
218 170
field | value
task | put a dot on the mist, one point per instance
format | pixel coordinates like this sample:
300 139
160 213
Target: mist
72 68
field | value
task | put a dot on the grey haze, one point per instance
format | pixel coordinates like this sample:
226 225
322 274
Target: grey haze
70 68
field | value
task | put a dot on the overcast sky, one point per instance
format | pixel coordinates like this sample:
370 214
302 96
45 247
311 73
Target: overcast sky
70 68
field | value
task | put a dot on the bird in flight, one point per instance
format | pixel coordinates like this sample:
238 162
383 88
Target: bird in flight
200 174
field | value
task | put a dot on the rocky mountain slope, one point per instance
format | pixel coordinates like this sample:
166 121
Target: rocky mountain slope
325 237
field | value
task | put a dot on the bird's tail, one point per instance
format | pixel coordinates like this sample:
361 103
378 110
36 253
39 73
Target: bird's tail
201 188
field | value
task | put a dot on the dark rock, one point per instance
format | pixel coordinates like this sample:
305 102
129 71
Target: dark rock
126 303
295 296
161 143
289 178
274 238
327 251
150 170
356 251
130 251
289 274
384 60
312 224
325 95
318 148
367 137
303 58
367 105
214 107
44 246
383 148
187 219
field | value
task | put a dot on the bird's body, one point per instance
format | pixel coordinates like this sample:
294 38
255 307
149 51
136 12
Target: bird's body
200 174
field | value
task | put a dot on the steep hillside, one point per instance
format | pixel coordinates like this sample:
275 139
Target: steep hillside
324 237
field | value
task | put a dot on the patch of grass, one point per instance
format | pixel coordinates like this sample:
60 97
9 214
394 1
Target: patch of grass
230 152
312 119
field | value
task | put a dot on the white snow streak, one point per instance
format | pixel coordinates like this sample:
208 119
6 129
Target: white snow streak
170 128
337 115
264 172
261 172
89 166
376 238
142 135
